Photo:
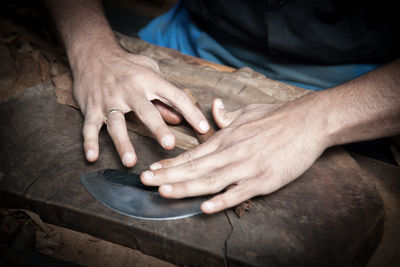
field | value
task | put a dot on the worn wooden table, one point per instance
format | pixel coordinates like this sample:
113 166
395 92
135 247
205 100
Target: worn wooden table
331 216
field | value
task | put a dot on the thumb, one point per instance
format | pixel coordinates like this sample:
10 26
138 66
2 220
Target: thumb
222 117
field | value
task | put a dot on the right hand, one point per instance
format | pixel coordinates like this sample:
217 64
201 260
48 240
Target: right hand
115 79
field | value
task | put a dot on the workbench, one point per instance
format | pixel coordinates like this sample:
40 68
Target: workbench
331 216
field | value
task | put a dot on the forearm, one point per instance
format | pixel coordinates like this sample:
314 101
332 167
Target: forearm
83 28
365 108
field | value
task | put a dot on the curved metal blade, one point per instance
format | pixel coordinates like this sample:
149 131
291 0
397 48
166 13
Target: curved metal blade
123 192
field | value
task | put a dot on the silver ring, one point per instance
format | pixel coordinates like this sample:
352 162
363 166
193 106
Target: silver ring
109 112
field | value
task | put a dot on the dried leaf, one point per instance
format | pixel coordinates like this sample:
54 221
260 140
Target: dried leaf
57 68
43 64
242 208
63 89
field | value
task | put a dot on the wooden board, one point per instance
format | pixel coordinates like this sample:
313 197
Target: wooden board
331 216
387 180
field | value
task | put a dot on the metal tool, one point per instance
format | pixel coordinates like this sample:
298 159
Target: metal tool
123 192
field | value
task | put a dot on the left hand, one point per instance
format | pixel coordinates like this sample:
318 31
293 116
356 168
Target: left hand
259 149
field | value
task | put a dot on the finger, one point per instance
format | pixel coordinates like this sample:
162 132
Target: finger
190 155
210 183
222 117
189 170
116 127
167 113
91 128
150 117
231 197
182 102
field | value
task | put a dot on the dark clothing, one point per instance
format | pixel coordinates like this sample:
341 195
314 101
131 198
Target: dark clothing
314 31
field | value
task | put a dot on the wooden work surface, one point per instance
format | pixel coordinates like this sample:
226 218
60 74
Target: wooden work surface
331 216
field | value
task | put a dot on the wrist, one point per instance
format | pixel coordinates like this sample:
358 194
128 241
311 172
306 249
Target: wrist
84 30
316 120
327 103
89 52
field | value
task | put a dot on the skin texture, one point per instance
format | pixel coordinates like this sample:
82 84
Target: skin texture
106 77
259 148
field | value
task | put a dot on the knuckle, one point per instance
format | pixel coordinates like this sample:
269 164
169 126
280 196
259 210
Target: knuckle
114 128
89 136
138 58
86 131
87 140
183 189
150 60
115 122
141 59
166 163
189 167
145 75
144 110
224 202
211 182
89 129
188 156
267 184
151 63
155 66
233 188
92 111
145 62
180 97
160 172
161 129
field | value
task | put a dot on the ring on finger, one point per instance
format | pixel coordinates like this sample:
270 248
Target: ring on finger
109 112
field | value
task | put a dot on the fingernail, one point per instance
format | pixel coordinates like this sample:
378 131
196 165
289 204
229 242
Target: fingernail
208 206
219 104
90 154
167 140
148 176
166 188
204 126
127 158
155 166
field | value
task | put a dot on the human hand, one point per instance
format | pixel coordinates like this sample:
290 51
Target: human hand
114 79
259 149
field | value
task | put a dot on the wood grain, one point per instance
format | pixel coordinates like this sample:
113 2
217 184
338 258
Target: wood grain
331 216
